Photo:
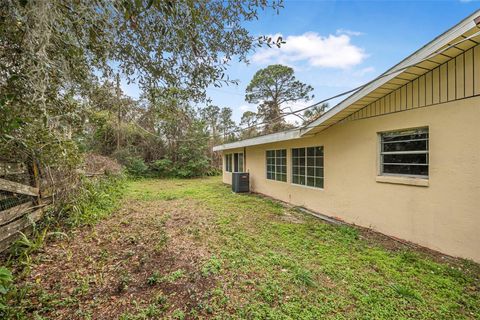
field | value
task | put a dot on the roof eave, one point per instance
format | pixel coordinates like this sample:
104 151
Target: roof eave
269 138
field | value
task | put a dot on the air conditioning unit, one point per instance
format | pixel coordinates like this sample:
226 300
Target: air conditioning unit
240 182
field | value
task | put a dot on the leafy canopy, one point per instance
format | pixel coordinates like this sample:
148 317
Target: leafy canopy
273 87
277 84
51 51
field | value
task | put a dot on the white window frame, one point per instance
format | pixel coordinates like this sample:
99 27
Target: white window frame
275 164
381 153
228 162
315 167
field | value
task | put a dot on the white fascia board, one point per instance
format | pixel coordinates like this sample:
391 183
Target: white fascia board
414 58
269 138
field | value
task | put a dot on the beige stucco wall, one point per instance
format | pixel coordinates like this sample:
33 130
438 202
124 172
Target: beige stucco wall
444 216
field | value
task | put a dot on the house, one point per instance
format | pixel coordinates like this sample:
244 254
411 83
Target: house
400 156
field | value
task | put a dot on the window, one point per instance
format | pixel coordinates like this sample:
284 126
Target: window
307 166
277 165
234 162
238 162
228 162
404 153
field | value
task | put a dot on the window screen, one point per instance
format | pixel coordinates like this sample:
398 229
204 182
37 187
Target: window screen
277 164
228 162
405 152
307 166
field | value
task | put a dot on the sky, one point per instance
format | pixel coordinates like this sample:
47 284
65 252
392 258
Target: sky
335 46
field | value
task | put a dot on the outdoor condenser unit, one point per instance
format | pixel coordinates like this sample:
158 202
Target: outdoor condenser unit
240 182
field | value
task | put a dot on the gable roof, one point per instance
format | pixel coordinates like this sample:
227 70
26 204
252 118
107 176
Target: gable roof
448 45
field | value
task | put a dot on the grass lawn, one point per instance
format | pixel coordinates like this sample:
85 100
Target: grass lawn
186 249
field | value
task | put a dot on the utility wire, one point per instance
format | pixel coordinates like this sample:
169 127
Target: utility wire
357 88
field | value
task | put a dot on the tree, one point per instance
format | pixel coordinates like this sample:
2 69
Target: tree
227 125
51 51
110 116
211 116
249 119
314 113
248 123
273 87
185 134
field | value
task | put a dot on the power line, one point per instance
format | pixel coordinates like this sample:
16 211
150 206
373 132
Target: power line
227 92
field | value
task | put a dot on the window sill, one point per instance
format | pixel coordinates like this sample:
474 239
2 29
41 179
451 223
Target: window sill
306 187
273 180
410 181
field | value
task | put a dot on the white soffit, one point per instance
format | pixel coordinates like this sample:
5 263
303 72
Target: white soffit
269 138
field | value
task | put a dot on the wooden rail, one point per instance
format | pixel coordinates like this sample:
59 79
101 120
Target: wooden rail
25 204
13 213
16 187
10 232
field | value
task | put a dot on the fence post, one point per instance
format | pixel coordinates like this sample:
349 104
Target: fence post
35 179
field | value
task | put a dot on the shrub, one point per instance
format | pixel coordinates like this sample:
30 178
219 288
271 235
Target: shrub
94 200
162 168
193 168
136 167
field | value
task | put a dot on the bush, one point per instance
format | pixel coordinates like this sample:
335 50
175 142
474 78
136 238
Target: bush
136 167
193 168
162 168
96 199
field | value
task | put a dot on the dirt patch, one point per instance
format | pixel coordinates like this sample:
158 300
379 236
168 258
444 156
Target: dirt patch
147 253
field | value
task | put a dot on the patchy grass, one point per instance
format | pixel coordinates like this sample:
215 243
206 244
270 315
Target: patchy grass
186 249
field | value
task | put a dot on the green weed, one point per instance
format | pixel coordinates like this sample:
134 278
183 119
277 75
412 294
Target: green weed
175 275
95 200
124 281
212 266
406 292
153 279
178 314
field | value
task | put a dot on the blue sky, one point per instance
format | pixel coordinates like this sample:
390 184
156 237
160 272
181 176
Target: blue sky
337 45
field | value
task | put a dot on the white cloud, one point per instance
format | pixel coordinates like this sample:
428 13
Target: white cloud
364 71
350 32
332 51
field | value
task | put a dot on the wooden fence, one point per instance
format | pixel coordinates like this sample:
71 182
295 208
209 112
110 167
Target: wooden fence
22 202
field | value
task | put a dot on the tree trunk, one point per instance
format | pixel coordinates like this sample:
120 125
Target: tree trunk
119 112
